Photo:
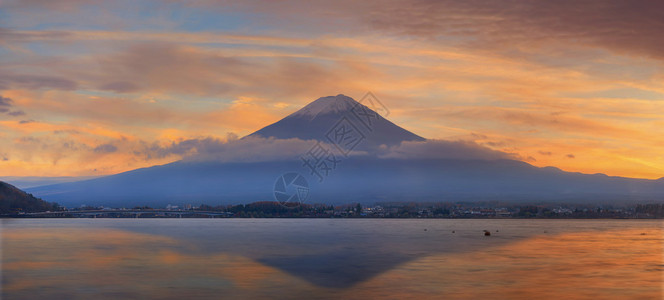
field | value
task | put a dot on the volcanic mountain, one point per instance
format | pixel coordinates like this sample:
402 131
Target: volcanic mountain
392 164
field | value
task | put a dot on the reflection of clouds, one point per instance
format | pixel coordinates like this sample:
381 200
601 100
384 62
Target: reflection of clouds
46 263
104 263
603 265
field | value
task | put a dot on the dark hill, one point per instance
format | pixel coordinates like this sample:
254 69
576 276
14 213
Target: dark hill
14 200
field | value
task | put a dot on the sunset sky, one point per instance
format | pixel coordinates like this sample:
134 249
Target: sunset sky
100 87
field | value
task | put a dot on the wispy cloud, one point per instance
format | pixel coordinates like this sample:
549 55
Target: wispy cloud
442 149
35 82
16 113
105 148
231 149
5 102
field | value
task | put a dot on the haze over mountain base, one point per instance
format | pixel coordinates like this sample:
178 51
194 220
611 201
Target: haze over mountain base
382 162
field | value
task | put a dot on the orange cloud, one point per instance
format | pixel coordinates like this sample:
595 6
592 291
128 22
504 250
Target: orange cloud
568 82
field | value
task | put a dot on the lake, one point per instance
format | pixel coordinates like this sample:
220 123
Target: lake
331 258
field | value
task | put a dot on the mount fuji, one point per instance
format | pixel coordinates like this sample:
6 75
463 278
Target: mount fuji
389 164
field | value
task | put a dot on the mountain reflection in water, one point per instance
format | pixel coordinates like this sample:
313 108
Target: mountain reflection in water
317 258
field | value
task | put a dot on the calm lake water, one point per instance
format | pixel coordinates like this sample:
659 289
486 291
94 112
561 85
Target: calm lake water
331 258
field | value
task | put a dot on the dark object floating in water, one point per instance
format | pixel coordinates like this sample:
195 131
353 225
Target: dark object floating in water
425 229
453 231
487 233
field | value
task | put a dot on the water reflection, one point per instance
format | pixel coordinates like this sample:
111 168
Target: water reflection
617 264
105 263
331 259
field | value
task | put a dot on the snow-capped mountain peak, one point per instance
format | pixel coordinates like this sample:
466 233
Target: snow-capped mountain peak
315 121
326 105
